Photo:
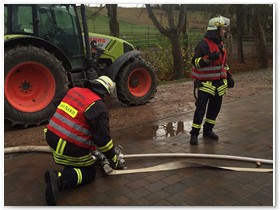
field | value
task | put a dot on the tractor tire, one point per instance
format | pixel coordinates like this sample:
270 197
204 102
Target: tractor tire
33 78
136 82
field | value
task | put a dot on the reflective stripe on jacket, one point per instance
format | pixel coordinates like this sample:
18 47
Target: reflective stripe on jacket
216 69
69 121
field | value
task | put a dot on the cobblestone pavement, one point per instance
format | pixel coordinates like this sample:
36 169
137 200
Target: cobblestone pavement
245 128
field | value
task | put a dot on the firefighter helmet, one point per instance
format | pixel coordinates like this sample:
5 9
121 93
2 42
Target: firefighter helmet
107 83
217 23
101 85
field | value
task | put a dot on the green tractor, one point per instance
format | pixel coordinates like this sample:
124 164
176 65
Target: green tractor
47 52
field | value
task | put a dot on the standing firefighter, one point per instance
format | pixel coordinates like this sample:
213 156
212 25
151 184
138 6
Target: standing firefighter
212 78
79 125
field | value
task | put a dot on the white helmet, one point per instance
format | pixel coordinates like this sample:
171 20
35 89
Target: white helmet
104 81
107 83
217 22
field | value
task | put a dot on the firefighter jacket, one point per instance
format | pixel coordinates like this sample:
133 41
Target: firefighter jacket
82 118
69 121
216 69
211 74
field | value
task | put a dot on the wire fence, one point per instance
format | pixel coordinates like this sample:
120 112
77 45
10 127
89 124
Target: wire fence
157 48
147 36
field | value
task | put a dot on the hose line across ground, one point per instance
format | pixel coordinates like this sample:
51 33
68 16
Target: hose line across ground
165 166
184 164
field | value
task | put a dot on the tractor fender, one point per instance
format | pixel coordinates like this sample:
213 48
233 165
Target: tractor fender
119 62
38 42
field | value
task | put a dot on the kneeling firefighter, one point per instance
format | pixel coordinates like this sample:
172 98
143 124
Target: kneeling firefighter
79 126
212 78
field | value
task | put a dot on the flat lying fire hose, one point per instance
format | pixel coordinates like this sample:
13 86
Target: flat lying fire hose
23 149
165 166
183 164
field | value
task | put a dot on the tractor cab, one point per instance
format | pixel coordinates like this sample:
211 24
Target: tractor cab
57 24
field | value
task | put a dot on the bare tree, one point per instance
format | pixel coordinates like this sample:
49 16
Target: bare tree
113 22
172 31
239 9
260 35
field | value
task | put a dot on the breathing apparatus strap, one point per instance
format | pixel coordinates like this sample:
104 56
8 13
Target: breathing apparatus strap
196 85
194 92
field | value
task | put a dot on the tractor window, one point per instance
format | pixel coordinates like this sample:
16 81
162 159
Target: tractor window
46 24
57 20
64 20
22 19
59 25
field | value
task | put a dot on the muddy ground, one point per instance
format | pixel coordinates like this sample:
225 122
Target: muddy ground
170 99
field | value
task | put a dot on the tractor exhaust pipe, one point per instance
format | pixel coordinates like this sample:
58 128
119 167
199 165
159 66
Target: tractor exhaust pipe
90 72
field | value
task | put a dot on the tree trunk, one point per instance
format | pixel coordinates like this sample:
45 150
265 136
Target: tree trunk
173 32
239 28
229 48
113 22
260 37
178 63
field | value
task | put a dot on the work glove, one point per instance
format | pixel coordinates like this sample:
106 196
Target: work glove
214 55
230 81
117 162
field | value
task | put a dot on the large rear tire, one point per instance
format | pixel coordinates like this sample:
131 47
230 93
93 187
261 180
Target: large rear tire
33 78
136 82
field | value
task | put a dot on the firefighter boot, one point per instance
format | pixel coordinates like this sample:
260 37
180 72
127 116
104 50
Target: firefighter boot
210 134
193 140
52 187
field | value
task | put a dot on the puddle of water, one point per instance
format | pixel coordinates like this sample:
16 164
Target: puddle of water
157 131
170 129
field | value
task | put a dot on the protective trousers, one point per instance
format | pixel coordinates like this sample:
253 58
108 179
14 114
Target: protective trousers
214 106
79 166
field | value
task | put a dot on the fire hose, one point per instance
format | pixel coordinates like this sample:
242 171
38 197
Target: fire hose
165 166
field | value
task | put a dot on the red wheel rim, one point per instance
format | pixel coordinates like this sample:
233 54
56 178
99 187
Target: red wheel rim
29 87
139 82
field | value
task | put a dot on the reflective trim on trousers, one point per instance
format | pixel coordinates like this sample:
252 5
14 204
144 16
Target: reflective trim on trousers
210 121
72 161
196 126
